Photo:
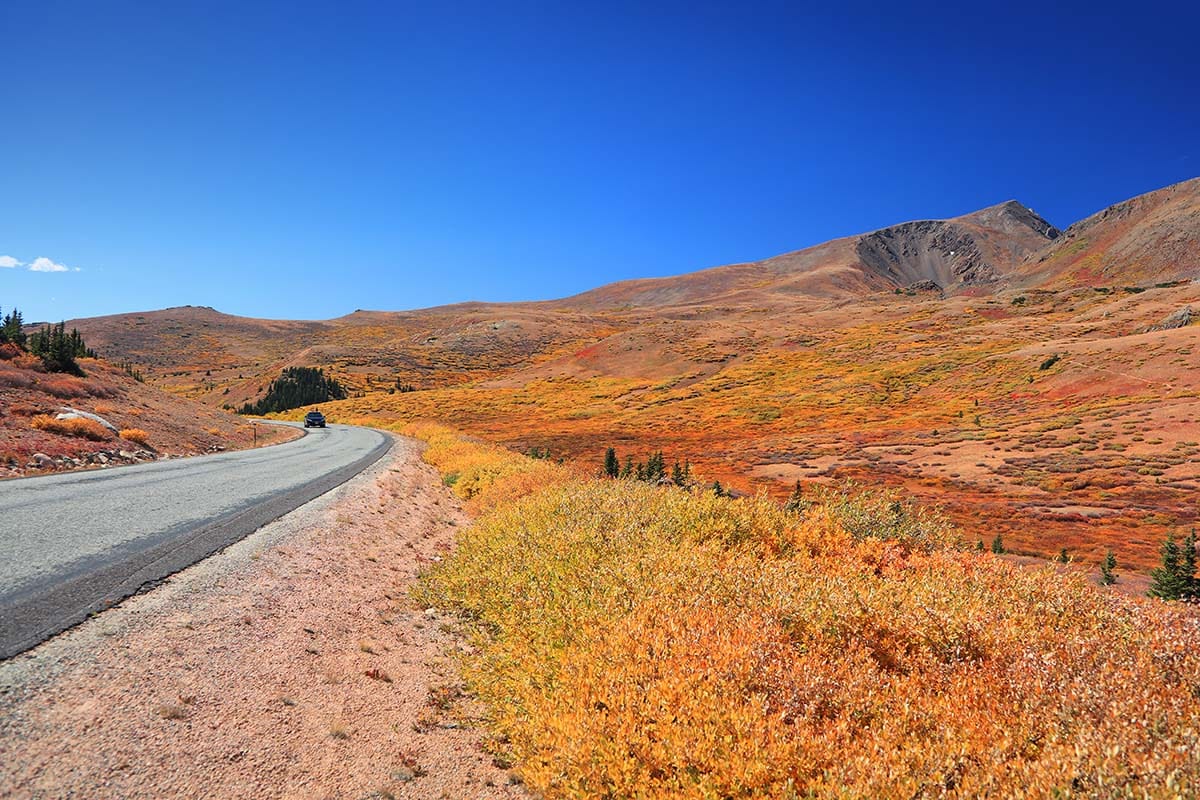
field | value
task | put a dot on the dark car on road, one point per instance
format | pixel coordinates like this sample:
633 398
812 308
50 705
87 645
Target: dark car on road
314 419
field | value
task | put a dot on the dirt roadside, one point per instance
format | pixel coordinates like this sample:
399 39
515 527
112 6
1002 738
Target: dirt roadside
292 665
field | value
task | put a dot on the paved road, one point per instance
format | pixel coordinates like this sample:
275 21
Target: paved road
74 543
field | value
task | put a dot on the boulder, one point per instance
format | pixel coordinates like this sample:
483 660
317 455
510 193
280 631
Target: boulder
73 413
1176 319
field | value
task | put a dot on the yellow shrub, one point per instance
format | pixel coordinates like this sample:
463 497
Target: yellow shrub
483 474
136 435
635 641
78 426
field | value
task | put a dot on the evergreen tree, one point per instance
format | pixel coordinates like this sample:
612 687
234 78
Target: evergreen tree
1063 558
612 466
718 490
1187 567
57 348
10 329
677 476
795 501
656 468
627 470
979 546
1107 576
998 545
1168 582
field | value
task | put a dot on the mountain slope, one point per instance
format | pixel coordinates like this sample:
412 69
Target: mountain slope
975 250
108 418
1152 238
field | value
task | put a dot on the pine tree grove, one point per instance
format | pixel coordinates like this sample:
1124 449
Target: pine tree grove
296 387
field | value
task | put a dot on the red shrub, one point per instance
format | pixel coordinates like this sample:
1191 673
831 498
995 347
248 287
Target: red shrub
63 386
14 378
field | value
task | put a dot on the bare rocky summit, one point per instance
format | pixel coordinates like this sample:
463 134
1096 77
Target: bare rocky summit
978 250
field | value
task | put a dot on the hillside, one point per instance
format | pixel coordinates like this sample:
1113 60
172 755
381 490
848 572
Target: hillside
1153 238
971 362
221 358
116 420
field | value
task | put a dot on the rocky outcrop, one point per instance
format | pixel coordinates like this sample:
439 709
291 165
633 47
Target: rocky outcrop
930 251
976 250
1177 319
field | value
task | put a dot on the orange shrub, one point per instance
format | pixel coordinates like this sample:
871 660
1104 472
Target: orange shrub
136 435
637 641
79 426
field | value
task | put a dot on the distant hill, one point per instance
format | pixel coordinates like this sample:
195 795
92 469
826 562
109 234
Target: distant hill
661 326
976 250
229 360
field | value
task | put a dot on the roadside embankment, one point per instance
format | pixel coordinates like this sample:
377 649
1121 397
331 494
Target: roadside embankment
293 664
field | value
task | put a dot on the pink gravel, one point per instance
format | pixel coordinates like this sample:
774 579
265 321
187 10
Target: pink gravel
292 665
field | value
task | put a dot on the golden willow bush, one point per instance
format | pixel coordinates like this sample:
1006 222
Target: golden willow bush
136 435
636 641
75 426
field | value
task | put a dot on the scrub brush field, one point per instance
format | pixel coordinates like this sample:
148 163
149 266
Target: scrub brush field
650 641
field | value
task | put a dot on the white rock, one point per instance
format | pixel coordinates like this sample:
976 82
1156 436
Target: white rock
74 413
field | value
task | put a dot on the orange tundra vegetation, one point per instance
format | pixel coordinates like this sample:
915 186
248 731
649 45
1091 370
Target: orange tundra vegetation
643 641
76 426
136 435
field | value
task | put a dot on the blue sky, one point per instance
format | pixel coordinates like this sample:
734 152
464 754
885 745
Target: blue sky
302 160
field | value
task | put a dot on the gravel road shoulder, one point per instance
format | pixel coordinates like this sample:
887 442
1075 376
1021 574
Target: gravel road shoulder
293 664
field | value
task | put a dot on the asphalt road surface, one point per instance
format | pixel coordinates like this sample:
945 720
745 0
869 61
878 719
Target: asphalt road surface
75 543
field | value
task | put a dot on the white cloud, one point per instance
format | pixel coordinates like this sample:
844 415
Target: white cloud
10 262
43 264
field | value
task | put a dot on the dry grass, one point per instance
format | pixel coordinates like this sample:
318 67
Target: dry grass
78 426
173 711
636 641
136 435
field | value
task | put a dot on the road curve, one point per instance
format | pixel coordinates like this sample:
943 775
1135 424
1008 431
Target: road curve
75 543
